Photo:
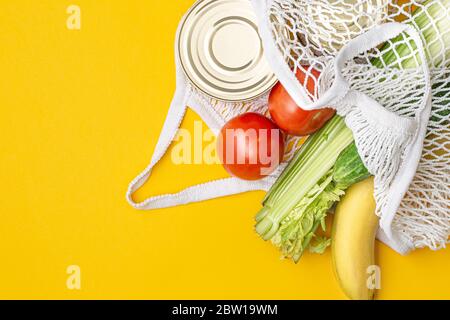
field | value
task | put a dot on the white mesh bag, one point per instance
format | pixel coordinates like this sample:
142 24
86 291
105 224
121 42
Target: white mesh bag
395 104
390 81
215 113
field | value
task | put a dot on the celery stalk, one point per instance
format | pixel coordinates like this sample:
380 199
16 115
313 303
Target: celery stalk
313 145
311 164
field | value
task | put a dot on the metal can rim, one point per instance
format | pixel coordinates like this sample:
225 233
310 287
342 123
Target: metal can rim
258 94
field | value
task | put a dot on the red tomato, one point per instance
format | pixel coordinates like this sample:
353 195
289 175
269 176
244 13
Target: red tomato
290 117
250 146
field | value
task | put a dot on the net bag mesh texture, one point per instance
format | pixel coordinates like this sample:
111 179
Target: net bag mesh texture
228 110
309 34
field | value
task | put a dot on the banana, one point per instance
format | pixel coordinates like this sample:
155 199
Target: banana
353 238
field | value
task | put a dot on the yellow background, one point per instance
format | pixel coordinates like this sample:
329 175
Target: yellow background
80 114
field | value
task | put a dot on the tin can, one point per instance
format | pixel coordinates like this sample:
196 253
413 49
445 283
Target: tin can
221 53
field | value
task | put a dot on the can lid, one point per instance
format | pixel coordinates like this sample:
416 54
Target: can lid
221 52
